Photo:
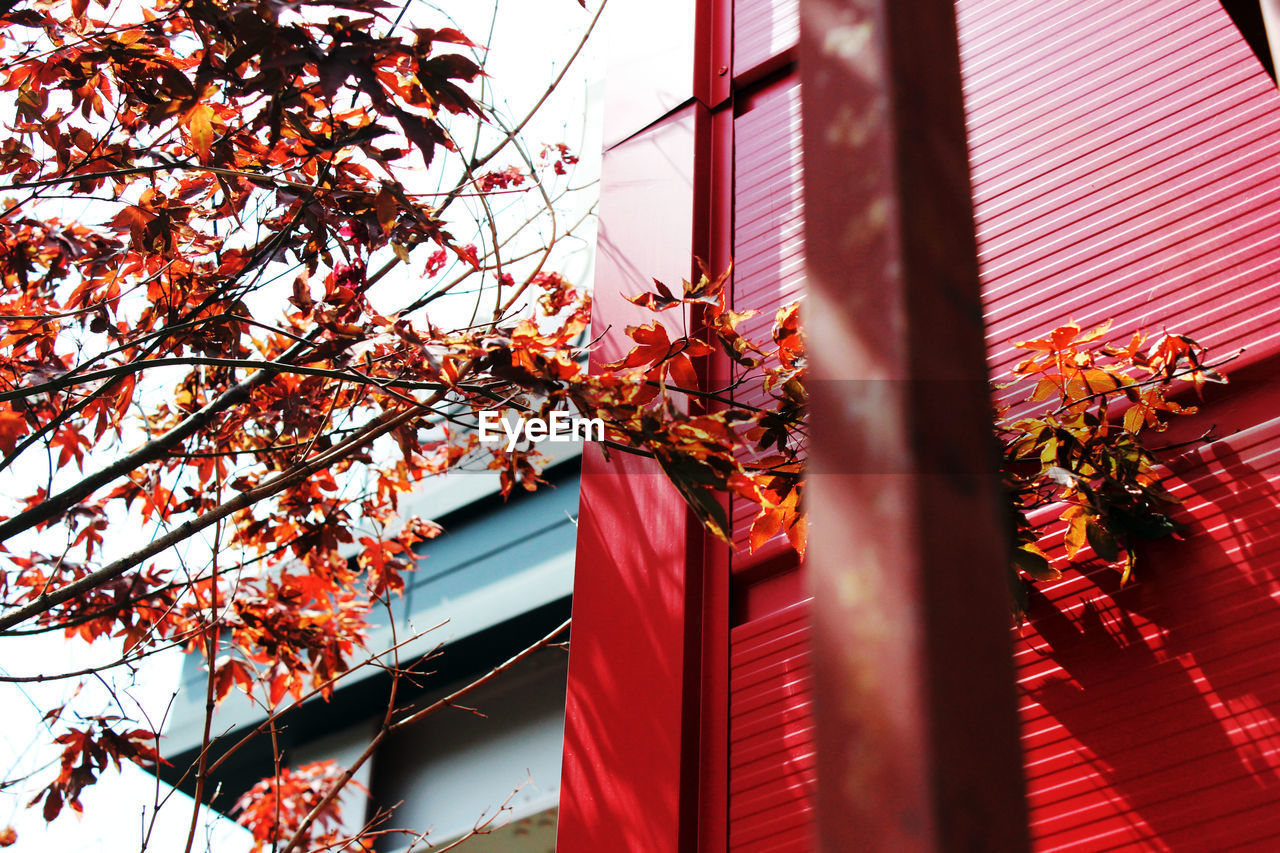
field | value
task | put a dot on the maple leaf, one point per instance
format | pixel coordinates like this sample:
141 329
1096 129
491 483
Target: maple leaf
13 427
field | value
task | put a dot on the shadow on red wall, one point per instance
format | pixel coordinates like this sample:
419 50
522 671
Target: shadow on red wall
1154 719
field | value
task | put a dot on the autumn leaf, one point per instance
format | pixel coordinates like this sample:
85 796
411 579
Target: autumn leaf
1031 560
12 428
199 124
1092 464
764 526
798 534
1101 540
387 209
296 394
660 299
1135 417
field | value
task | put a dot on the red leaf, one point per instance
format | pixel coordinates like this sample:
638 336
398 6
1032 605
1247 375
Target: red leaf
52 805
12 427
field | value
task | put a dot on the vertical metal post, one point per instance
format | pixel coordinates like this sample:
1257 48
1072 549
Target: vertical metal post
916 725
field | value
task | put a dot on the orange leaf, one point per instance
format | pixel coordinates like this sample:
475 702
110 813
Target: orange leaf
765 526
1044 389
199 124
1134 418
798 533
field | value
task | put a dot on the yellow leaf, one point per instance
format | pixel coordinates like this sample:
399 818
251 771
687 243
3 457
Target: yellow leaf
1077 388
199 124
1045 389
1100 381
1077 536
1134 418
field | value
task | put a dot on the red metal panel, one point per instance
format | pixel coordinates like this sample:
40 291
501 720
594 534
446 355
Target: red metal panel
1125 165
627 733
771 748
768 240
651 68
716 605
1152 713
763 29
768 210
913 688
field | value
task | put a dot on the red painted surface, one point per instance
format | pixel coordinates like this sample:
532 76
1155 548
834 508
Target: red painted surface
657 677
771 745
1151 713
1126 163
763 30
651 69
768 239
771 777
712 803
627 735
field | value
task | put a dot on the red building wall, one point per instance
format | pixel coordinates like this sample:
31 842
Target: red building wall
688 722
1126 165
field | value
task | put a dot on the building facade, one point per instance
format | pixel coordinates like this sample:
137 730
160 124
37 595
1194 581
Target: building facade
1123 163
1116 162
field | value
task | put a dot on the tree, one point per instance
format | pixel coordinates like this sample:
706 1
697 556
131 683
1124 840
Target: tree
242 314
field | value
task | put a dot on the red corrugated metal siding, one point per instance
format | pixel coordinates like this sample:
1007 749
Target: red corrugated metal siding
771 750
1152 713
768 240
1125 166
770 754
763 29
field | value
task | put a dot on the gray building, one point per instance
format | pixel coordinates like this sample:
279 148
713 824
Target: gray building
499 578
